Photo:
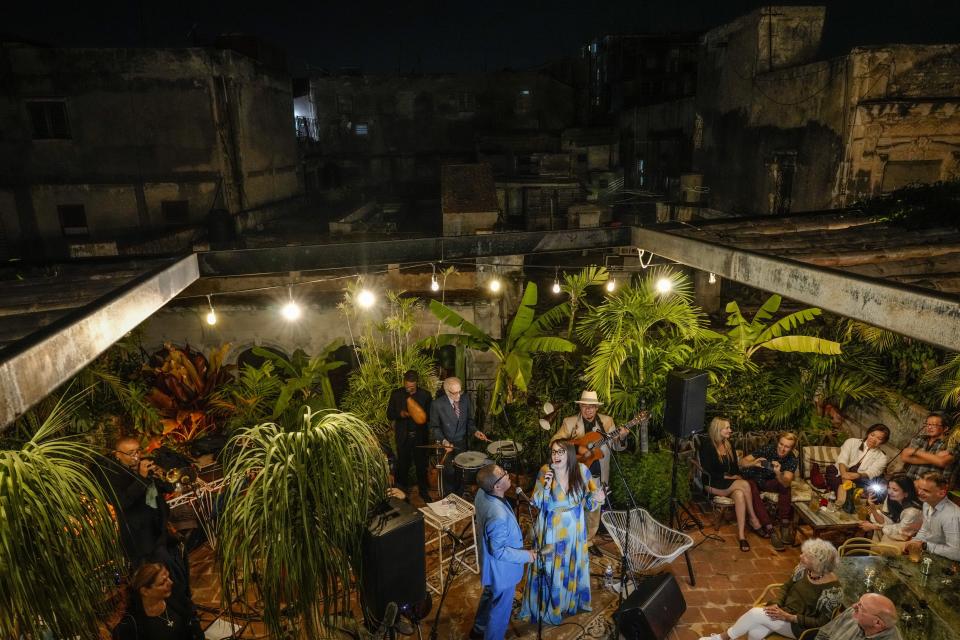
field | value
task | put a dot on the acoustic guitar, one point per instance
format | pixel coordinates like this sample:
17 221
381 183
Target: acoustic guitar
589 444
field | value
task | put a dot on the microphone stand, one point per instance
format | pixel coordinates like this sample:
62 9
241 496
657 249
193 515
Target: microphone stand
624 556
454 568
541 569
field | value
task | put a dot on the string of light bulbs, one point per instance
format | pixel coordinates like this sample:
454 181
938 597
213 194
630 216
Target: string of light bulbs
366 298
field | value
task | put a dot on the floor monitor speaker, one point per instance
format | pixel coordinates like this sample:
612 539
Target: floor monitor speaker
652 610
686 403
394 562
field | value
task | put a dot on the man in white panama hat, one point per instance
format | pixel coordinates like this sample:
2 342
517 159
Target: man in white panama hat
590 419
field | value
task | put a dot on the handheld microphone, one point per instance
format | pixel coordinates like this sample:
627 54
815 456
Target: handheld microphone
522 496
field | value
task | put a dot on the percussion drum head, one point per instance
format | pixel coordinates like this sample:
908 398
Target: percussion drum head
504 448
471 460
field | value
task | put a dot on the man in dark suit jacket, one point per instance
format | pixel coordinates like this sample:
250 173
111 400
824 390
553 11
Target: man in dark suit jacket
451 423
409 435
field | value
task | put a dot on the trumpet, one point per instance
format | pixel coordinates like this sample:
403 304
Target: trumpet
183 475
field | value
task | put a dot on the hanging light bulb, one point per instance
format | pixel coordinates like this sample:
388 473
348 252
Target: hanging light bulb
434 285
556 281
713 278
611 284
366 298
495 284
664 285
211 315
291 311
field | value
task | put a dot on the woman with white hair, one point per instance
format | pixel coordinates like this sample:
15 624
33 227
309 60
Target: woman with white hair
808 599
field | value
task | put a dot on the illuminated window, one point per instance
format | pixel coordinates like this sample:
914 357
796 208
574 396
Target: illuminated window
73 219
524 101
175 212
361 129
49 119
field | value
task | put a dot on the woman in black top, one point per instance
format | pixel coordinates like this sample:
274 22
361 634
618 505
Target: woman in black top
151 613
719 461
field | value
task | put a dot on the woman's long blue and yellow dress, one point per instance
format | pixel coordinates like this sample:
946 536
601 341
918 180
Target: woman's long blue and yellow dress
565 578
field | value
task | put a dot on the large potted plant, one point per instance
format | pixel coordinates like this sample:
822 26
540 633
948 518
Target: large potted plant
59 547
295 515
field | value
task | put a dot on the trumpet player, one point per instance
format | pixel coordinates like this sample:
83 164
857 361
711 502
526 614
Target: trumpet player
136 493
408 409
135 487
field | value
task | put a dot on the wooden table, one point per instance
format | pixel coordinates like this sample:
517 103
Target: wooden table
835 525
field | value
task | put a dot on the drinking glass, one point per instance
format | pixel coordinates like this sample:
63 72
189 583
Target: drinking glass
914 553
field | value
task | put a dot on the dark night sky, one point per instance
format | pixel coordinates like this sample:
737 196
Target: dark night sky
447 35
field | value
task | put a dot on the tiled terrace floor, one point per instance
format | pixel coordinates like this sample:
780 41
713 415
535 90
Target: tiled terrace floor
728 581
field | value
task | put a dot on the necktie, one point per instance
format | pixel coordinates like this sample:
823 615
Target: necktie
456 409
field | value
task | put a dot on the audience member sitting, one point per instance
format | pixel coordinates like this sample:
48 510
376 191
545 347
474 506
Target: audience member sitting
873 616
772 468
152 614
899 518
930 451
719 461
860 460
940 533
808 598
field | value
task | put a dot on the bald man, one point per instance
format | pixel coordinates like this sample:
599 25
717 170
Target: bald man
873 616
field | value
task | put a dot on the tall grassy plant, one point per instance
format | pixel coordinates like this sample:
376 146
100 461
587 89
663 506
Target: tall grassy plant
296 528
58 542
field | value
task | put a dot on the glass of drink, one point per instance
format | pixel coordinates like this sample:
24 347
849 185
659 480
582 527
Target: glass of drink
914 553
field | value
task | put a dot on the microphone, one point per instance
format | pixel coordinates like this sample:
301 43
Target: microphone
522 496
456 538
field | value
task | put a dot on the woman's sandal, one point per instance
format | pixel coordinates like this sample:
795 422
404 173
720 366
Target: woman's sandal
744 545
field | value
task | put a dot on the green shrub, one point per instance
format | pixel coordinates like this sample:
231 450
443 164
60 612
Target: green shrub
649 479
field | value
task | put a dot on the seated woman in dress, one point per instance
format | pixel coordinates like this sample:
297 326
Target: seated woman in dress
563 493
808 598
151 613
719 460
900 516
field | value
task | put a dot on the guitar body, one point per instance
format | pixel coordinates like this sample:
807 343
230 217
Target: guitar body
589 444
588 447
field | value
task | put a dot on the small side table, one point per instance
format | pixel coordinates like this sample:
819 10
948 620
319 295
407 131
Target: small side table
460 521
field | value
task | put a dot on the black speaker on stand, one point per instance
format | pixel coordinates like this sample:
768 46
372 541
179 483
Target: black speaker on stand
683 416
652 610
394 560
686 404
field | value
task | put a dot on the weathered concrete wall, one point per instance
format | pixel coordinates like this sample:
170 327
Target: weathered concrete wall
146 124
905 119
784 134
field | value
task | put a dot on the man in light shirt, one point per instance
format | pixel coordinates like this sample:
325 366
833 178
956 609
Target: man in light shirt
940 533
873 616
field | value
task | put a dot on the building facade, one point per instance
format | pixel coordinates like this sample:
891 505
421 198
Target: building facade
773 129
107 147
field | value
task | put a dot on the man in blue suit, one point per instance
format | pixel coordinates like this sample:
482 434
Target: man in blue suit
451 422
502 555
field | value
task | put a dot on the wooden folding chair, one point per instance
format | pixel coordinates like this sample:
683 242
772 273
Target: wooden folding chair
867 547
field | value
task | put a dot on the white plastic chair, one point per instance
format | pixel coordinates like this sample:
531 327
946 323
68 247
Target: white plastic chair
651 544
